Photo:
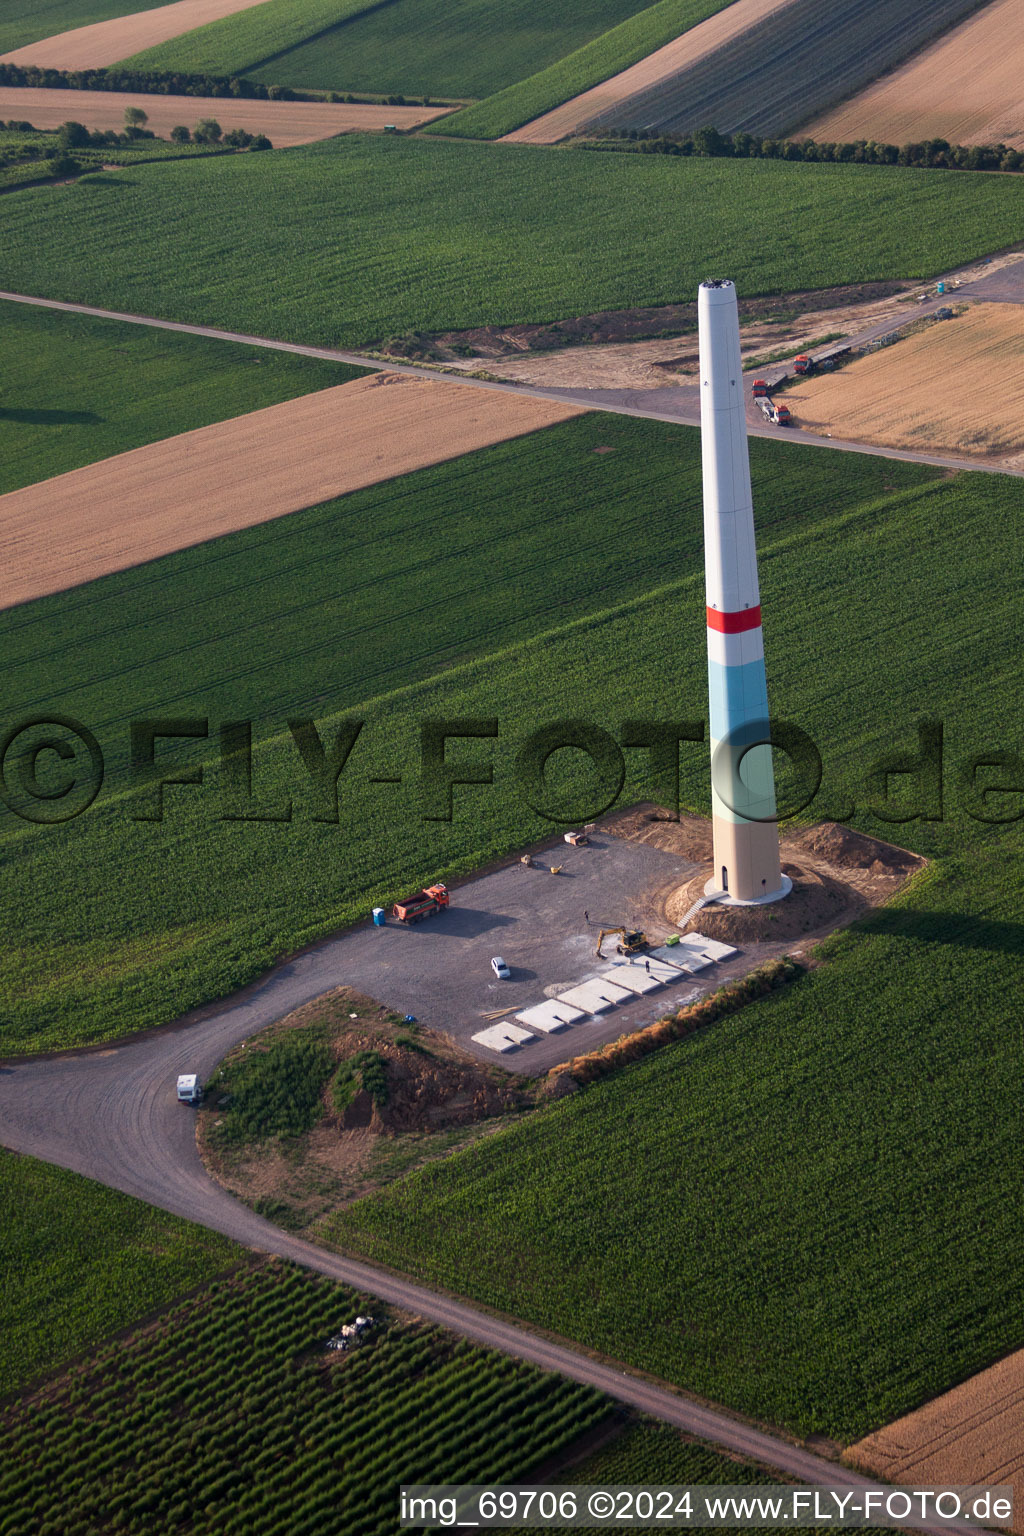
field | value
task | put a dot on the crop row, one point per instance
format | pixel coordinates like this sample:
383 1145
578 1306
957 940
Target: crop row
272 1439
565 235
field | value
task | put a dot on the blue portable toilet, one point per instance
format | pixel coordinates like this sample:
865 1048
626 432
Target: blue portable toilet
379 917
940 288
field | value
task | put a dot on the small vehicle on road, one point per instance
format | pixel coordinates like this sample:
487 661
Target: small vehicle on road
190 1089
500 969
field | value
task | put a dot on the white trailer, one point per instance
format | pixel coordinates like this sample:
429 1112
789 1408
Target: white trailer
189 1089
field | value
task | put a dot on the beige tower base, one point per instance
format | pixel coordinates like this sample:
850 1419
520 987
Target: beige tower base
747 867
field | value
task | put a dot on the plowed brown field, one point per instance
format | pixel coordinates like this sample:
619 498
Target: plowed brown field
699 43
970 1437
202 484
284 122
957 386
965 88
107 42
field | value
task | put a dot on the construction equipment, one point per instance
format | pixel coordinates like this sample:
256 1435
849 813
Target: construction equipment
633 941
424 904
556 869
526 861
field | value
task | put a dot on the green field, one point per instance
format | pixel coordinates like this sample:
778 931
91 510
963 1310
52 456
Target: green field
825 1240
450 48
21 23
294 244
81 1262
351 608
229 1416
77 389
633 39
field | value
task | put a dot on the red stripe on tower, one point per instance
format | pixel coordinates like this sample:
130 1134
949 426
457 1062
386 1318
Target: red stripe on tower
734 623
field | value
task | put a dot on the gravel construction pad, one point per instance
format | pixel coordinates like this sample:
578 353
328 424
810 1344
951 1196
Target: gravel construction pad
440 969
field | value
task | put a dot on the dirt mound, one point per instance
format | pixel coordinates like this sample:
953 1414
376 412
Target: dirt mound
854 850
815 902
688 836
427 1093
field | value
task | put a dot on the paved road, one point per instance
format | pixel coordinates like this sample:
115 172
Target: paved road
672 403
109 1113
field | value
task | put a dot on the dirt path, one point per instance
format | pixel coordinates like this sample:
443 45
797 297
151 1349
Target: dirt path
970 1437
107 42
966 88
677 404
199 485
110 1114
284 122
696 44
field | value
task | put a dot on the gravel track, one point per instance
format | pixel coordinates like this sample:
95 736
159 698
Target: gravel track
107 42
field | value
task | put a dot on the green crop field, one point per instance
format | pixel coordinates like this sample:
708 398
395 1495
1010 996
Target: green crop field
21 23
229 1416
295 244
826 1237
633 39
81 1262
451 48
77 389
303 616
234 45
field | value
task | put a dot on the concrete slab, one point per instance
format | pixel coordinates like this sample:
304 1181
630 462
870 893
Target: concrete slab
634 978
691 957
503 1037
550 1017
668 971
716 950
595 997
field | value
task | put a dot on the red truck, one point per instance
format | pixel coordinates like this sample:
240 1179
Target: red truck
803 364
760 388
424 904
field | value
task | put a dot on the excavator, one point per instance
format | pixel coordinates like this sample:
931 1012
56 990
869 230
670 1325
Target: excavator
633 942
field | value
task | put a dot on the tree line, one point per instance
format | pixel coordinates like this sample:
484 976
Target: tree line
163 82
930 153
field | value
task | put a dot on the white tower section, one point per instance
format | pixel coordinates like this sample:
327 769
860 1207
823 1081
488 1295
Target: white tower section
746 835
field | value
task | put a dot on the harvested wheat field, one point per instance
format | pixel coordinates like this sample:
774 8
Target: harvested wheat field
966 88
696 44
970 1437
202 484
284 122
107 42
957 386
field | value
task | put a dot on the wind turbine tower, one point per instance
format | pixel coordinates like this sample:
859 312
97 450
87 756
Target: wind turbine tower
746 835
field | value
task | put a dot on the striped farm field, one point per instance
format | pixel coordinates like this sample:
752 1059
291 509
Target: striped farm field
284 122
786 62
99 40
542 90
451 48
469 237
965 87
184 490
228 1414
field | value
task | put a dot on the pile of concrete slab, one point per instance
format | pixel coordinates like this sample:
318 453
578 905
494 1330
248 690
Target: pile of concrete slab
623 982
